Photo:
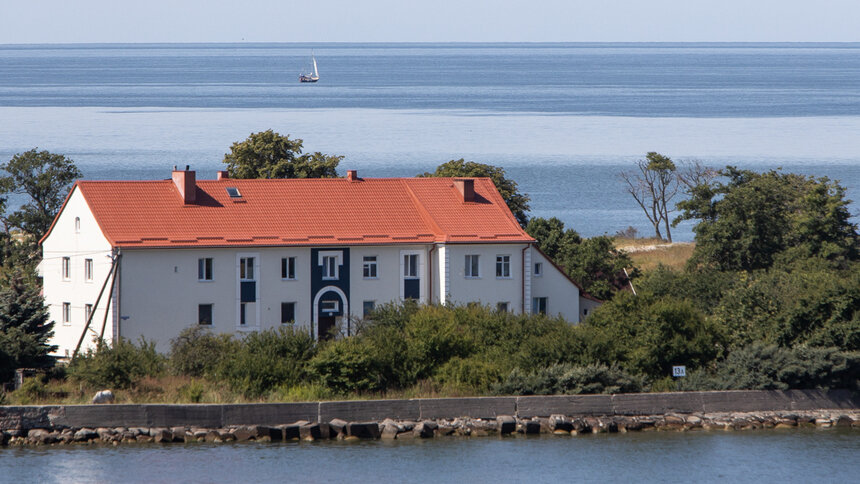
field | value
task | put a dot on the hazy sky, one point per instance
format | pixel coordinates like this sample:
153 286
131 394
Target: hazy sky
50 21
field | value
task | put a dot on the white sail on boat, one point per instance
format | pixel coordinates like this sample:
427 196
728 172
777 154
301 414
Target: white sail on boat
310 76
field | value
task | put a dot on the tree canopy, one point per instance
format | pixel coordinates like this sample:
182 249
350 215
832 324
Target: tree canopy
268 154
24 326
45 178
517 202
592 262
753 219
653 188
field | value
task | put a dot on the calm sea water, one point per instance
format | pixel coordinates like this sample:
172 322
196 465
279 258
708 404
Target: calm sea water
740 457
563 119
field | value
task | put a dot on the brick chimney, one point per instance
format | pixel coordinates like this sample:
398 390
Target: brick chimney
223 175
466 186
352 175
185 181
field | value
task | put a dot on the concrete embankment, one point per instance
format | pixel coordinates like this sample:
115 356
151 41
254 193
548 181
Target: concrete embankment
567 414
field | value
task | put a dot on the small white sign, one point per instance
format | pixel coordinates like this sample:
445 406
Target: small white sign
679 371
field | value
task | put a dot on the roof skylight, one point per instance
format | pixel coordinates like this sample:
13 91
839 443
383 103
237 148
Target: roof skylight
233 192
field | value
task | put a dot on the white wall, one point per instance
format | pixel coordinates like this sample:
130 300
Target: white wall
486 289
88 243
562 295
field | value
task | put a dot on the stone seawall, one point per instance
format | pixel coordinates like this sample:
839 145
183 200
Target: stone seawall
428 417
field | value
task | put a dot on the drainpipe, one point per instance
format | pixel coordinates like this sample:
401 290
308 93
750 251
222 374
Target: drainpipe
430 274
523 259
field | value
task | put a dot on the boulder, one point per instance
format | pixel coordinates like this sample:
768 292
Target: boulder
506 424
41 437
389 431
211 436
104 396
85 434
844 421
425 429
363 430
338 426
161 435
560 422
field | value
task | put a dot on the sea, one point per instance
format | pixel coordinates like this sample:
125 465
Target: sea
563 120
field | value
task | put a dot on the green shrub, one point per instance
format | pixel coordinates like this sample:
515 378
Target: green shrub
266 359
346 366
32 390
570 380
198 352
468 374
117 366
192 392
769 367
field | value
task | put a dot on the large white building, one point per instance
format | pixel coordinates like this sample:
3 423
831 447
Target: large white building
244 255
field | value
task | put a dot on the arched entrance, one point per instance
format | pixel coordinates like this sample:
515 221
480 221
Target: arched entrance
330 307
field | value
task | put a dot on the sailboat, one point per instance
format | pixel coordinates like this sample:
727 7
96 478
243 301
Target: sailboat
311 76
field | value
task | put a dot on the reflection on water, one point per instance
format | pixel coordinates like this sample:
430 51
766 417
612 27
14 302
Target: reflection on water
797 455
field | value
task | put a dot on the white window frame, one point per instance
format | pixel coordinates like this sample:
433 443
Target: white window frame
241 258
88 270
77 225
536 305
244 266
66 268
370 268
201 269
472 262
538 271
504 263
67 314
211 314
329 306
363 308
411 270
288 263
323 256
88 309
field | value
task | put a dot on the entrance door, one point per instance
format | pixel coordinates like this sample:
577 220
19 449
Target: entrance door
324 327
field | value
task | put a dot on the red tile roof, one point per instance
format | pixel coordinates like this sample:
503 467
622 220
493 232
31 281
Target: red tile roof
333 211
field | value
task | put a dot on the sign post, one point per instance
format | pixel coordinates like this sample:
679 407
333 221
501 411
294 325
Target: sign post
678 372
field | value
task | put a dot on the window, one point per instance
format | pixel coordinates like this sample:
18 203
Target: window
233 192
368 308
502 307
88 270
77 225
67 269
539 305
242 317
204 269
538 269
472 266
410 266
329 267
88 311
246 268
288 268
204 314
288 312
370 267
503 266
67 313
329 306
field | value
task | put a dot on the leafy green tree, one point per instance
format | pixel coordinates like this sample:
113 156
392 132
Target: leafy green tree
754 218
268 154
594 262
45 178
653 188
517 202
24 326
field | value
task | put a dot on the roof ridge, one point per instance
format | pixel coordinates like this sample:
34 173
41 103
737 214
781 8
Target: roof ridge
422 210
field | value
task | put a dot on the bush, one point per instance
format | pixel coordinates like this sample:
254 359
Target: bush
266 359
769 367
117 366
347 365
570 380
198 352
32 390
469 374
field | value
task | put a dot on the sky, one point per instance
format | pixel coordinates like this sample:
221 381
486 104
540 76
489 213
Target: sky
74 21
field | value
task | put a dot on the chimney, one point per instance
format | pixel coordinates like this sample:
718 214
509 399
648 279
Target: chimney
466 186
185 181
223 175
352 175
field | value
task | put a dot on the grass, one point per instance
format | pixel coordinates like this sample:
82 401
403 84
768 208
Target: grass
648 253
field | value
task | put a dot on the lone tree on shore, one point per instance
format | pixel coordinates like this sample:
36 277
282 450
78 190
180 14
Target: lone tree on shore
653 186
268 154
24 326
517 202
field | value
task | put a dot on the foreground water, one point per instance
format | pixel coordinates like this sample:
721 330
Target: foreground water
795 455
563 119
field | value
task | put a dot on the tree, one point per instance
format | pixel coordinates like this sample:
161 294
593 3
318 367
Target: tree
24 326
268 154
45 178
593 262
653 187
753 219
517 202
